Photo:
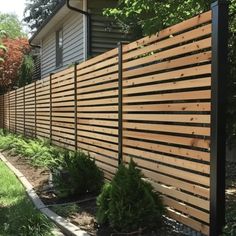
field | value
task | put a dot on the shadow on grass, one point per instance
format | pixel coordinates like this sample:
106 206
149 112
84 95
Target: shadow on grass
21 218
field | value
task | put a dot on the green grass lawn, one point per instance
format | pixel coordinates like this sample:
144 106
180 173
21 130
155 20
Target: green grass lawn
17 214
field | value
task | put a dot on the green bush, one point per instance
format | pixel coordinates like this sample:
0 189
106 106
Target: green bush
129 203
77 175
103 201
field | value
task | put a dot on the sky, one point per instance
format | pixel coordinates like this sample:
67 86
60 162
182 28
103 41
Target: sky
13 6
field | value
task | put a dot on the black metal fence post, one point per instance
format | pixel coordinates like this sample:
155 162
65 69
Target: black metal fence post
50 91
15 111
35 109
76 103
24 107
120 102
9 113
3 111
219 73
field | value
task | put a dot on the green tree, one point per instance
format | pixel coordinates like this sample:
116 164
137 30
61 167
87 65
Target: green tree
2 47
145 17
11 25
36 11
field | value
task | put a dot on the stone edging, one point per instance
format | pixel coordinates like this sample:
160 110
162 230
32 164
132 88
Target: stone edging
66 227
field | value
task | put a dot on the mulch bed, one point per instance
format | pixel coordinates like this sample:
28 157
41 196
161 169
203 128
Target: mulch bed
85 217
231 198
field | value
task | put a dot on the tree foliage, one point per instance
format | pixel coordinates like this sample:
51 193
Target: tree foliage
13 58
145 17
37 11
11 25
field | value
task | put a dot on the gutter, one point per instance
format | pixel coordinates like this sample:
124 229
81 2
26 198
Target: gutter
88 16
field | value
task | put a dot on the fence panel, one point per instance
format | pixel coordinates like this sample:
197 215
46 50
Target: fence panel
12 111
166 119
63 108
150 100
30 110
1 111
97 107
43 108
6 111
20 111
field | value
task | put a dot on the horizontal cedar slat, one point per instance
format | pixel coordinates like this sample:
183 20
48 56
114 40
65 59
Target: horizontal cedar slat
98 87
200 215
164 159
98 122
176 74
98 80
177 51
98 143
97 59
100 151
186 84
178 184
103 137
191 142
181 129
98 129
173 172
180 27
188 221
182 118
174 40
180 96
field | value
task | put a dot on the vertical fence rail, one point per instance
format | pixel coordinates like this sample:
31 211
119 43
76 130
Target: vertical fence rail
50 115
35 110
24 110
3 111
75 106
219 73
120 102
15 111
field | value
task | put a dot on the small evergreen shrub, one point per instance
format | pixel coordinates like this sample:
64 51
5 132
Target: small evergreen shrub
103 201
129 203
77 175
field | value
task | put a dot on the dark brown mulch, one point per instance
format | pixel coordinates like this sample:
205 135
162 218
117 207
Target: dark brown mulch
230 228
38 177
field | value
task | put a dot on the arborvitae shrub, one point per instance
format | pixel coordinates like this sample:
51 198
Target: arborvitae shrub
78 175
103 204
129 203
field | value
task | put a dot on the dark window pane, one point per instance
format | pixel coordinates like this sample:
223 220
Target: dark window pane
59 48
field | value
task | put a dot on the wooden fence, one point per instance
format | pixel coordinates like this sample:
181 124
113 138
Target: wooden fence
149 100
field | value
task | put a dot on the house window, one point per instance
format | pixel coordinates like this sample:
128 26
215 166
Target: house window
59 48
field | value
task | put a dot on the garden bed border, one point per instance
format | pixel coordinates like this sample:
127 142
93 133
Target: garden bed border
66 227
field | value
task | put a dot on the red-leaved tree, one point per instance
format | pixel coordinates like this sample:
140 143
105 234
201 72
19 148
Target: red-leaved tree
9 68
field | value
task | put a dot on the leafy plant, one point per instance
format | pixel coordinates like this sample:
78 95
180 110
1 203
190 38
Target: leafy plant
129 203
37 151
77 175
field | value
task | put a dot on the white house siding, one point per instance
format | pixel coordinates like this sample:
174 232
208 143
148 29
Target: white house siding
72 27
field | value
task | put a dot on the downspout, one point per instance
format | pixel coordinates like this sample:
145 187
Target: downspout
88 26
